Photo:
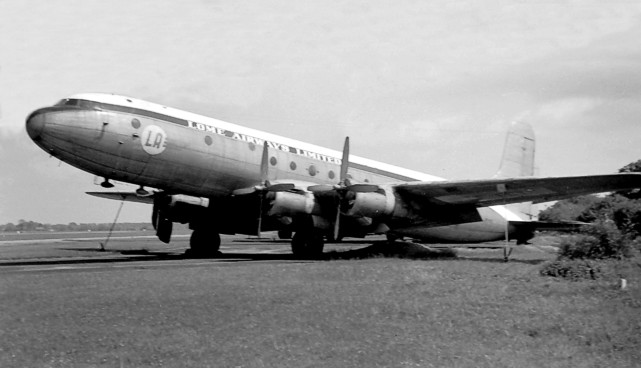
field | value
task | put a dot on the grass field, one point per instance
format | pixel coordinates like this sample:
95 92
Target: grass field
475 311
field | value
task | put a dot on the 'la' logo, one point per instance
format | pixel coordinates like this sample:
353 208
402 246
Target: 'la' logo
153 140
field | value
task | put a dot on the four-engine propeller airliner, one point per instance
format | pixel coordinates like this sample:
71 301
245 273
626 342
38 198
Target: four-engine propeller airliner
224 178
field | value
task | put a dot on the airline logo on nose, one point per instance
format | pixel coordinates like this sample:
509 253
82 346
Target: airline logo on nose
153 140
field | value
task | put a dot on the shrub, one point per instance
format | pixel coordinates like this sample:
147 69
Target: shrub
599 241
573 269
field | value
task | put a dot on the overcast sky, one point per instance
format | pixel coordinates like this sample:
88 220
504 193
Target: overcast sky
427 85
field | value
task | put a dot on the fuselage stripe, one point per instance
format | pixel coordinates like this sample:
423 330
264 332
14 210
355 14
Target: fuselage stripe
229 134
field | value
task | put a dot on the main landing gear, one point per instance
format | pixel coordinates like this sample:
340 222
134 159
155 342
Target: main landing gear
308 244
204 243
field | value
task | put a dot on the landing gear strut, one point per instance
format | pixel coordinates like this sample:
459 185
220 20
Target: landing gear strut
204 243
308 244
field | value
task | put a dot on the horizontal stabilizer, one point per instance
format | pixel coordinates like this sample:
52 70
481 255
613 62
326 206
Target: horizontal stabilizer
124 196
550 226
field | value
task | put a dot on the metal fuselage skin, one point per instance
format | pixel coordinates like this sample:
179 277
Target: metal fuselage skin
139 142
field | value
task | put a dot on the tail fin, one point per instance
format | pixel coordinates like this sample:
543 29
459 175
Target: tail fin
518 160
518 153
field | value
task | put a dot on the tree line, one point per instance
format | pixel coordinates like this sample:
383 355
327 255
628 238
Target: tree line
28 226
621 209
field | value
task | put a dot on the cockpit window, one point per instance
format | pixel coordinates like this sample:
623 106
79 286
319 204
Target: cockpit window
79 103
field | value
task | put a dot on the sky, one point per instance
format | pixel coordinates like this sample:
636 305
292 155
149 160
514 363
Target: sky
427 85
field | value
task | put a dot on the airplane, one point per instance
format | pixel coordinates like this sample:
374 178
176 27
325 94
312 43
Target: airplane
223 178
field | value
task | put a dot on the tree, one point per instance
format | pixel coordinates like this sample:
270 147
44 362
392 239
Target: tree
631 167
568 209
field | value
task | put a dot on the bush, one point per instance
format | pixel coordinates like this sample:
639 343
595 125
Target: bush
600 241
573 269
589 255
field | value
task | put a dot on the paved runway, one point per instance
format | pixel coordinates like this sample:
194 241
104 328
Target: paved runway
80 252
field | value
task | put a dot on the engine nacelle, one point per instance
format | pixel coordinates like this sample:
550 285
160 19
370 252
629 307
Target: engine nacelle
179 207
292 204
175 208
371 204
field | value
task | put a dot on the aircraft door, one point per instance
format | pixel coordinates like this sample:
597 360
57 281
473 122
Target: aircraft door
131 136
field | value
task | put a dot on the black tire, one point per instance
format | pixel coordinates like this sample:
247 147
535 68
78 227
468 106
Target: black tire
204 243
307 245
284 234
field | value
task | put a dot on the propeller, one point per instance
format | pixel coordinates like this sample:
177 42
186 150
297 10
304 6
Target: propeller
344 189
343 183
264 176
265 186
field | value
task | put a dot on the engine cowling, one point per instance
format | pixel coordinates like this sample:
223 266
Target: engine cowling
292 204
371 204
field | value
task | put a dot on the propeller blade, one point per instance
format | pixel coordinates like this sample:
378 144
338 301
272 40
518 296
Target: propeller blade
280 187
260 215
264 164
320 188
344 161
363 188
244 191
337 228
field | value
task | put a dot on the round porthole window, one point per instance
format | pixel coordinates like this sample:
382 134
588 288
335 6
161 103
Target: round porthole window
135 123
273 161
312 170
292 165
208 140
252 146
331 174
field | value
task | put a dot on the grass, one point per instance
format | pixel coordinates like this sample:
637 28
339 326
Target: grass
473 311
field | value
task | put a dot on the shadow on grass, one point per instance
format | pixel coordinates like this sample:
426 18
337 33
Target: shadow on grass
499 259
383 249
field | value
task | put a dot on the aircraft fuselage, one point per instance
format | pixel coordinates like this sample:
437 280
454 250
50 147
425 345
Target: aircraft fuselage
138 142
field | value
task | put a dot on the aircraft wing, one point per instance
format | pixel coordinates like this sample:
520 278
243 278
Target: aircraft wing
490 192
124 196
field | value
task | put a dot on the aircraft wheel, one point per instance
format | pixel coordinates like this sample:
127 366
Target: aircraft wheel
284 234
307 244
163 230
204 243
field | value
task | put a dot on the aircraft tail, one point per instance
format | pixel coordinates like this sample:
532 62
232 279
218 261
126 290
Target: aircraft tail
518 160
518 152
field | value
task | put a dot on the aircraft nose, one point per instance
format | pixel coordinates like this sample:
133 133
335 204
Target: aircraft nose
35 124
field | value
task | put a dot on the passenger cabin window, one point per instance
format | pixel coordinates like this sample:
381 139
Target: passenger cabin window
312 170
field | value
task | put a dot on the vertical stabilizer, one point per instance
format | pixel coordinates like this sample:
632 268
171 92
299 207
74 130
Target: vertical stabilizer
518 153
518 160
